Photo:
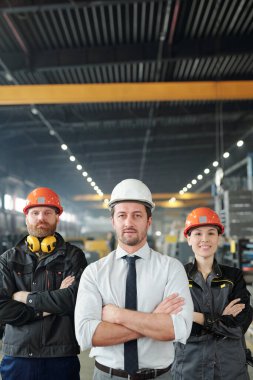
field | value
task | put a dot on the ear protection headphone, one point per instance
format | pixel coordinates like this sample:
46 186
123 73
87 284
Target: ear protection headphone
46 245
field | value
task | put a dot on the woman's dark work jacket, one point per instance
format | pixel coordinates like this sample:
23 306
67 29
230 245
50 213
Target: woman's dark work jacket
215 351
27 333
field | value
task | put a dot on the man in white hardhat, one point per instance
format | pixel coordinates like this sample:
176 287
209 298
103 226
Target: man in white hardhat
133 303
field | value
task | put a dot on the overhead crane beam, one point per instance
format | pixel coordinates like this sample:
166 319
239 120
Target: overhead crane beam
125 92
155 196
160 199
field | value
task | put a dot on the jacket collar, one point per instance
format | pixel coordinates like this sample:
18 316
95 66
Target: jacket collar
192 269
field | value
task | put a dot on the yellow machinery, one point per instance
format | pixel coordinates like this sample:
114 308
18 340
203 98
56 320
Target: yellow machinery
99 245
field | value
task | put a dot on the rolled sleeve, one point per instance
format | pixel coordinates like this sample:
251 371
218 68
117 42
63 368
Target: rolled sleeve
180 328
179 284
88 308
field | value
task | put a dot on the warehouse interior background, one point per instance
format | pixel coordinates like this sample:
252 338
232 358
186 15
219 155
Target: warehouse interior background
93 92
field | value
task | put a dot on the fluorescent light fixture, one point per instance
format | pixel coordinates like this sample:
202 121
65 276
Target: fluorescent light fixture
240 143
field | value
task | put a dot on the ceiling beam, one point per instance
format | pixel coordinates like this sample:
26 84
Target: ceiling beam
155 196
126 92
59 59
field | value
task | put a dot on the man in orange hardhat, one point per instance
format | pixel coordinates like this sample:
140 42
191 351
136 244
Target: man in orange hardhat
39 278
222 311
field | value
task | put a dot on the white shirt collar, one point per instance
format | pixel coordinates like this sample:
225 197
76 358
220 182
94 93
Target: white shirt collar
144 252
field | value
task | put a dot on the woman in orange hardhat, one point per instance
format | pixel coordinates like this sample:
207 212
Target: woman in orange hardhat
222 312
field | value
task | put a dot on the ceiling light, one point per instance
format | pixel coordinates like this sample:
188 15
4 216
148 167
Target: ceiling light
207 171
189 186
93 183
194 181
158 233
240 143
64 147
79 167
185 189
89 179
181 192
215 164
200 176
34 111
51 132
72 158
84 174
8 76
96 188
226 155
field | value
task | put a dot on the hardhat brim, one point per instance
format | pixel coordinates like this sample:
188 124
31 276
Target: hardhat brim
193 226
112 203
26 208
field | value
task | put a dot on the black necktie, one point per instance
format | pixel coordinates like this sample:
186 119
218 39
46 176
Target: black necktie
130 348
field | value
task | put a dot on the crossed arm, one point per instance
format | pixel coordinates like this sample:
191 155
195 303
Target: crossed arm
233 308
21 296
120 325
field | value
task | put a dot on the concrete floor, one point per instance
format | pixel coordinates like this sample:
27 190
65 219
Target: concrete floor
87 366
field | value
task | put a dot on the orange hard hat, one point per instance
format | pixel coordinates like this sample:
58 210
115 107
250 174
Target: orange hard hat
43 196
202 216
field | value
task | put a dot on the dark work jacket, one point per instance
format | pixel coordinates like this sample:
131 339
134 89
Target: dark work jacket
215 351
27 332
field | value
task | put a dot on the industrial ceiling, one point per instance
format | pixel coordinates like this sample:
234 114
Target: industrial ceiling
166 143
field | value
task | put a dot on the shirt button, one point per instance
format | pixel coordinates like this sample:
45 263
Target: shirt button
30 301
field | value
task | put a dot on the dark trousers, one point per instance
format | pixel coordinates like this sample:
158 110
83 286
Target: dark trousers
64 368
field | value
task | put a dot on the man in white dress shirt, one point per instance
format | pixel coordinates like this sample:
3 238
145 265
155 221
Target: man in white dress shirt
164 305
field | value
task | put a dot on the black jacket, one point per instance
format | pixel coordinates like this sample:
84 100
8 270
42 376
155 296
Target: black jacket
227 285
215 351
27 332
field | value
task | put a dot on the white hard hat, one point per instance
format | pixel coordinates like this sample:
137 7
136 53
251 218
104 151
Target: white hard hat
131 190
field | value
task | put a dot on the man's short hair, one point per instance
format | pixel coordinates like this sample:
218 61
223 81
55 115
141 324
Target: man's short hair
147 208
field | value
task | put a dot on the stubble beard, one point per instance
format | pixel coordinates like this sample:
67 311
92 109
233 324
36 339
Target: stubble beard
131 242
48 230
